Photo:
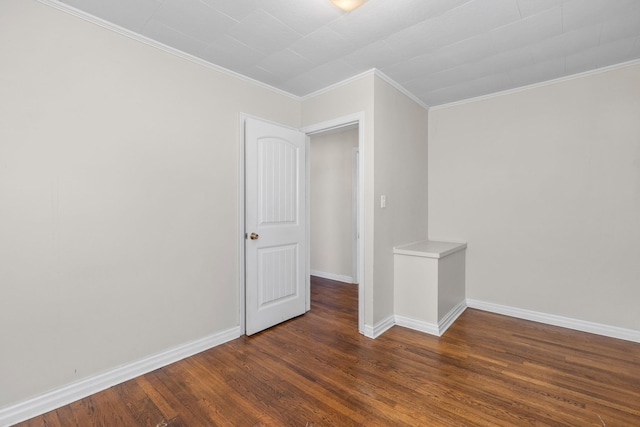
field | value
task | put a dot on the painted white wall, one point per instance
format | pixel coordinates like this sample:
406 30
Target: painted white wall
396 149
332 202
416 288
451 282
353 97
118 198
544 185
400 175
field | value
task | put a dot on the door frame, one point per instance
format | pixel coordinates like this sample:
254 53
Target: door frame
339 122
355 203
336 123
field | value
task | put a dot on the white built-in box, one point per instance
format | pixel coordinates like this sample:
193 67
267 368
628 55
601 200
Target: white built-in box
429 285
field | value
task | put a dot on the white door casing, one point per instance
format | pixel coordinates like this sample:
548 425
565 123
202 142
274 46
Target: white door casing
354 213
275 213
354 119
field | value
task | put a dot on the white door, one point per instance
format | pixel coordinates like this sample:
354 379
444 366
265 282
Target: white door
275 224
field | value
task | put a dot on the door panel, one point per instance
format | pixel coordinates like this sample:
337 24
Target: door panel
277 274
275 214
277 171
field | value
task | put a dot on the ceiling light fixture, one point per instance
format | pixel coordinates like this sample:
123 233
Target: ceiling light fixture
348 5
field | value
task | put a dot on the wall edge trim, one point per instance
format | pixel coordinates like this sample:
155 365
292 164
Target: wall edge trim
69 393
552 319
451 316
595 71
153 43
379 328
417 325
431 328
400 88
332 276
341 83
373 71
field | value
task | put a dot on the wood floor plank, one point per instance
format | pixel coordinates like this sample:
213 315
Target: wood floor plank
317 370
166 409
139 404
49 419
169 388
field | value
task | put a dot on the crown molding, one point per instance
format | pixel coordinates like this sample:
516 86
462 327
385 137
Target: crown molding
368 73
150 42
400 88
344 82
541 84
56 4
374 71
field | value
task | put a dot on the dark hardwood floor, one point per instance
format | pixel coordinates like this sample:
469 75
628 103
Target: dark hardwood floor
316 370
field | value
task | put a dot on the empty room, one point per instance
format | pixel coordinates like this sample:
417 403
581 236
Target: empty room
178 247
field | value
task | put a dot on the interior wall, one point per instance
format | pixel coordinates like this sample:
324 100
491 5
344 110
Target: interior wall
396 148
331 180
352 98
544 185
118 198
401 132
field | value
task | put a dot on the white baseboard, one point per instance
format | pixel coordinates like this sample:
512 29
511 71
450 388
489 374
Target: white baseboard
432 328
331 276
451 317
70 393
46 402
551 319
379 328
368 331
417 325
535 316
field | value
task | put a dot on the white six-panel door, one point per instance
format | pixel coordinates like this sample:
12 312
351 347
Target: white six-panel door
275 244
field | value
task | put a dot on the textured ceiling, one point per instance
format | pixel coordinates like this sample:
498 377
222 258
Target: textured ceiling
440 51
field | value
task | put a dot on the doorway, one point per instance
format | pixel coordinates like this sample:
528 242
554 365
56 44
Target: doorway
357 120
354 120
333 193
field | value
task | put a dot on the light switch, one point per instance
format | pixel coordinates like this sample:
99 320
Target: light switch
383 201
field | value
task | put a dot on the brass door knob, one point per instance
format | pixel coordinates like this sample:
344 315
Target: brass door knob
254 236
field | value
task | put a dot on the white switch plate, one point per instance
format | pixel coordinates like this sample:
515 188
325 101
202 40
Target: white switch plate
383 201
